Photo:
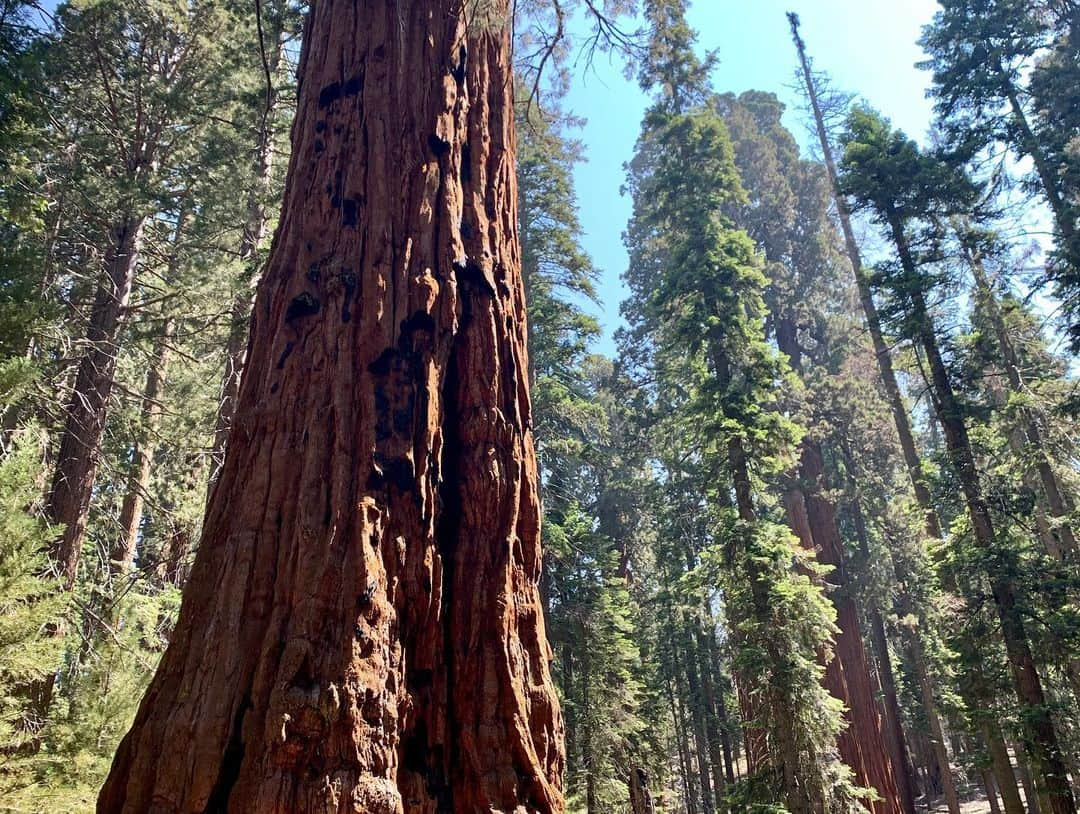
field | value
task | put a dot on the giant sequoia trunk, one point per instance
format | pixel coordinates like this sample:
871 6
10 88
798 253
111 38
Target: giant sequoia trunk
812 517
896 740
361 632
847 677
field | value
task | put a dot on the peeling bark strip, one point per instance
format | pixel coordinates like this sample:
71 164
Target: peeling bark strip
361 632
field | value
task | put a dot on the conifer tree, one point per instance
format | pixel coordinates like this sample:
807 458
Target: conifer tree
697 286
363 620
888 174
981 53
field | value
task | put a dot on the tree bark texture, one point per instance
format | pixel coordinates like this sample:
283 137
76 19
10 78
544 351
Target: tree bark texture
1002 767
68 503
847 673
893 725
812 517
362 632
641 801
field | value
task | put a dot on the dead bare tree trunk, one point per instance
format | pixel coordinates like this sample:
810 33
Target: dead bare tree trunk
362 630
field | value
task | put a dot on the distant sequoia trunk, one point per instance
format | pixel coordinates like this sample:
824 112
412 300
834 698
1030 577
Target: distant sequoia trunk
361 632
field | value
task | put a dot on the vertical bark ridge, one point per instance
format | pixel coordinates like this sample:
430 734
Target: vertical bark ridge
362 628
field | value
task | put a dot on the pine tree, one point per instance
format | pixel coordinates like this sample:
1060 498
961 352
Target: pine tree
697 286
887 173
29 601
980 53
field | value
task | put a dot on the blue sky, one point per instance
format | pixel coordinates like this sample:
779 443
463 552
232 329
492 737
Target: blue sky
867 46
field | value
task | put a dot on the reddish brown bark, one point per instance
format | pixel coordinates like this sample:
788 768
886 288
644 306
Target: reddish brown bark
812 517
847 674
893 727
361 632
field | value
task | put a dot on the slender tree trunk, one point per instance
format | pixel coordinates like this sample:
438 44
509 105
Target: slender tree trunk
991 790
873 321
719 702
685 772
1027 781
251 241
937 732
702 743
780 738
694 728
173 566
1029 144
1062 542
122 555
362 630
68 502
1002 766
1039 728
712 724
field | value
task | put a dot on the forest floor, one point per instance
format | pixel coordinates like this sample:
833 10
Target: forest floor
970 805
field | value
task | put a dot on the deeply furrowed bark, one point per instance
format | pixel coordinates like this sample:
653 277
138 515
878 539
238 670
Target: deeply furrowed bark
361 632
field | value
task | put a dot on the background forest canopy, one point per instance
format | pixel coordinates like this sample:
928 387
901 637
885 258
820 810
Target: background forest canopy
810 526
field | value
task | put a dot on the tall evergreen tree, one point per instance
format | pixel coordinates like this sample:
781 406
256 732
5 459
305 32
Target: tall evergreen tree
696 292
981 53
887 173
